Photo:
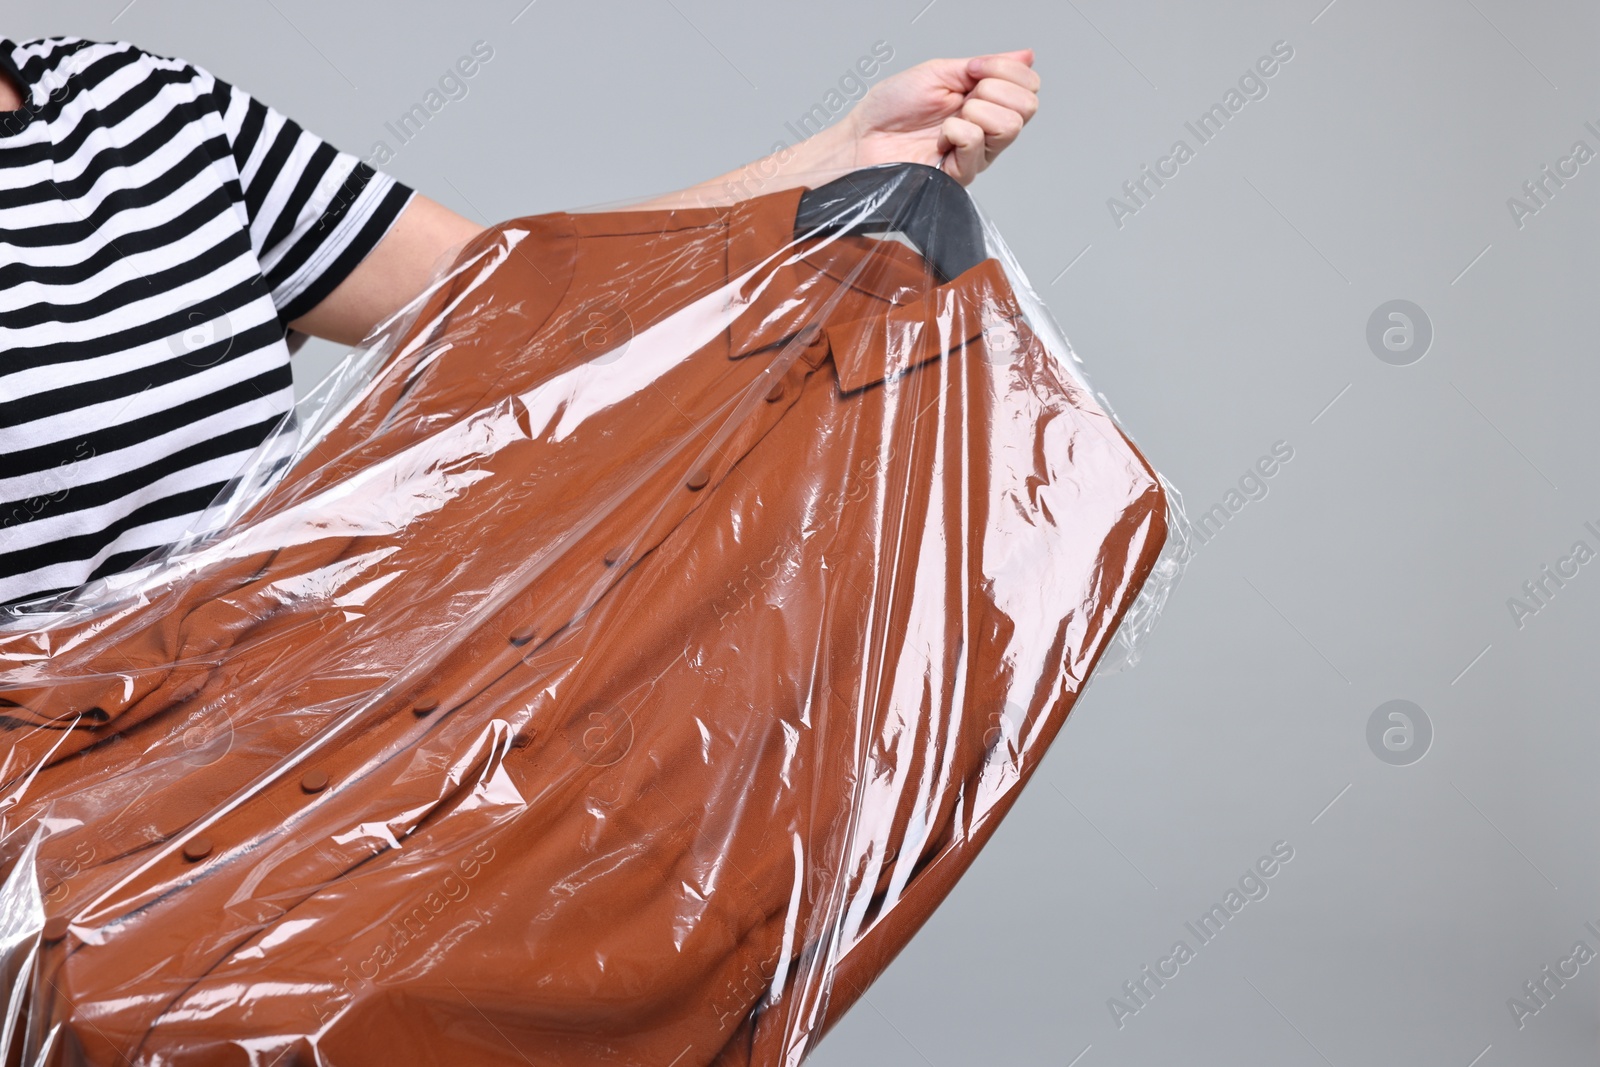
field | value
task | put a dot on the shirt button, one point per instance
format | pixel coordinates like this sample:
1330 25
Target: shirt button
698 479
197 849
776 392
425 706
616 555
522 635
55 929
314 781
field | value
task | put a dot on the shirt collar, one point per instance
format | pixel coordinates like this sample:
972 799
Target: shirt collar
898 316
975 306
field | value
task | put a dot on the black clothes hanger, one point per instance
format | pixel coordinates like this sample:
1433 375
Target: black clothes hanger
922 202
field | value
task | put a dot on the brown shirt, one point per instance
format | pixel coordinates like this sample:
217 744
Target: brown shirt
623 679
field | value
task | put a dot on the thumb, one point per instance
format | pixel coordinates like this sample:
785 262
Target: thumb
976 64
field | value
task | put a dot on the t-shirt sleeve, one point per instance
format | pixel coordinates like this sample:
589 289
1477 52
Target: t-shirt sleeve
314 212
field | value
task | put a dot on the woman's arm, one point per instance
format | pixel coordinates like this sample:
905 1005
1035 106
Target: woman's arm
955 114
394 272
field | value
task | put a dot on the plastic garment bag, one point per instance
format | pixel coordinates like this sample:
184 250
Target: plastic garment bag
616 662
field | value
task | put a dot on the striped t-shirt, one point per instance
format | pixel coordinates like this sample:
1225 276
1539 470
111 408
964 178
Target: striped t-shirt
159 229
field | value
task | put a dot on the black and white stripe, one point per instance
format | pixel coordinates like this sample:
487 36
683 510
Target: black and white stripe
159 229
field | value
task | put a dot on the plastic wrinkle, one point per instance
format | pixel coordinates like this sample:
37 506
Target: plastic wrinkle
615 660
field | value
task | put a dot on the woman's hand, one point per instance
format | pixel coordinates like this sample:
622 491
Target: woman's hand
954 114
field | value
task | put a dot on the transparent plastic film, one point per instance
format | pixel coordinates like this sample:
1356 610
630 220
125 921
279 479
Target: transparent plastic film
616 662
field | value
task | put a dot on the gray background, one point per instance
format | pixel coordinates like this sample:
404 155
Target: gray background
1225 316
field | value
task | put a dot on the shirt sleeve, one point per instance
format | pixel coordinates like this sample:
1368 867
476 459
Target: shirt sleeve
313 211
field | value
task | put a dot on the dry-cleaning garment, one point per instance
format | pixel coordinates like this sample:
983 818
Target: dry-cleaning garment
623 679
